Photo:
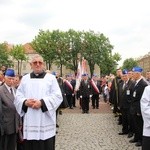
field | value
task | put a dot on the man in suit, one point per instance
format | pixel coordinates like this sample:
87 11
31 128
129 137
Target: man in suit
85 93
1 125
115 95
69 90
95 90
137 91
124 105
9 114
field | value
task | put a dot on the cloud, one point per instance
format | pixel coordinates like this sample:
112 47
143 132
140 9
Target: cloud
124 22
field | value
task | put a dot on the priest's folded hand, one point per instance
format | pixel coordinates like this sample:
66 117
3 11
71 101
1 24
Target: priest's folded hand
29 102
37 104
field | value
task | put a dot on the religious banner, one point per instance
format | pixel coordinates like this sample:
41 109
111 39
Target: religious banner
78 76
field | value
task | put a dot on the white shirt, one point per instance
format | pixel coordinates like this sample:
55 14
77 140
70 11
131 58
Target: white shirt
38 125
9 88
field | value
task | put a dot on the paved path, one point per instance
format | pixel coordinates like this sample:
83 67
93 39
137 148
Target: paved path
97 130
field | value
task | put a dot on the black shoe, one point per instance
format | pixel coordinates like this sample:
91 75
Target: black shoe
60 112
83 112
138 144
87 112
119 123
130 135
122 133
57 125
133 141
93 107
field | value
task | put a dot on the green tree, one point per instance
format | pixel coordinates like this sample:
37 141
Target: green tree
4 56
97 50
129 63
75 44
45 44
61 47
18 53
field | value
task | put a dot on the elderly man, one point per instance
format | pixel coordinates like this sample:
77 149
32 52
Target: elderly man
10 119
37 99
137 91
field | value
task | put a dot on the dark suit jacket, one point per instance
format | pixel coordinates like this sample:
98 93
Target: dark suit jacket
85 89
137 92
67 89
98 86
125 98
1 120
9 113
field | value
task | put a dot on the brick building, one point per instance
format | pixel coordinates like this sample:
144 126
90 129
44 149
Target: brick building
144 62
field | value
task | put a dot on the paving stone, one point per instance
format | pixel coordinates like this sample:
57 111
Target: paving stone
95 131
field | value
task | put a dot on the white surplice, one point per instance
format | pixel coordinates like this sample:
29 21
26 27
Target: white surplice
38 125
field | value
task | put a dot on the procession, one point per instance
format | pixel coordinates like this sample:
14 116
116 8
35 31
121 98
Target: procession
32 106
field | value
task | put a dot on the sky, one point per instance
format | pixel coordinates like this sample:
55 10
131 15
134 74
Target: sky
125 22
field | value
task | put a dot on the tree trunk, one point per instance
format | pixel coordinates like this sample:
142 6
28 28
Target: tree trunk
18 66
61 70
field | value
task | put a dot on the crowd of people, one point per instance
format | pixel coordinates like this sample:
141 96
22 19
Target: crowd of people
128 100
29 104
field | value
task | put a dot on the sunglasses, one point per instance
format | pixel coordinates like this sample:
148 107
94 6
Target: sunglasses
37 62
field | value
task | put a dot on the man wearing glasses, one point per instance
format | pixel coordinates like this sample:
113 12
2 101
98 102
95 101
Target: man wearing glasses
37 99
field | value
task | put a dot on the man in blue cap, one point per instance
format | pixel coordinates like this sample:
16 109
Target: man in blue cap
124 104
135 109
10 120
85 93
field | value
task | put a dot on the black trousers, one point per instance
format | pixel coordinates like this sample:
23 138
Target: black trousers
74 101
138 124
70 100
95 100
48 144
146 143
125 119
85 104
9 141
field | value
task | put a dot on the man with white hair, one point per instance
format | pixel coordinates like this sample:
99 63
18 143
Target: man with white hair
135 108
9 123
37 99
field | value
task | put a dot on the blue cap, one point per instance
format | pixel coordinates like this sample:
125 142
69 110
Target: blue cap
124 71
94 75
68 75
85 74
137 69
10 73
53 73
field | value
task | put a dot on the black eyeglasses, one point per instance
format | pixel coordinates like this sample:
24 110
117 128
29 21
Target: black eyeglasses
37 62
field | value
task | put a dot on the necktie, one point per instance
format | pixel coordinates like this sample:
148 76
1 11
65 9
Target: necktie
11 91
124 85
135 84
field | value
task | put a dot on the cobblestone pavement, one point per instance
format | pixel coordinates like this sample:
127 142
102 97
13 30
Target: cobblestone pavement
97 130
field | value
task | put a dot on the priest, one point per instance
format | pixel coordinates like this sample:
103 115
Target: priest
37 99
